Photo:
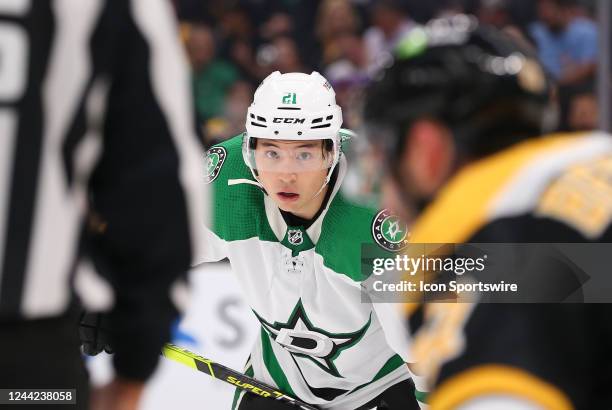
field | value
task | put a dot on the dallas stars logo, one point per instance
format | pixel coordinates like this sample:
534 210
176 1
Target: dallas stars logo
389 231
392 229
215 157
303 340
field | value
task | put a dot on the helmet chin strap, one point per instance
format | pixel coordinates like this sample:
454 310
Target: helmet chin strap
326 182
320 189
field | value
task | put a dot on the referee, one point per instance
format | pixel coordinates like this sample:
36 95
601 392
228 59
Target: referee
94 104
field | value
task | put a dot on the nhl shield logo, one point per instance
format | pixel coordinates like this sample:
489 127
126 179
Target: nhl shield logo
389 232
215 157
295 237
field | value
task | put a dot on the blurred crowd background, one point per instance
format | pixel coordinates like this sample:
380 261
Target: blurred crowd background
233 44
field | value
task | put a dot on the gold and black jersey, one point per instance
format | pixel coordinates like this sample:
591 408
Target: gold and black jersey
552 189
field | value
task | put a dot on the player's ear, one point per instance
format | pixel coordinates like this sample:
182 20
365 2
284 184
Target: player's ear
428 155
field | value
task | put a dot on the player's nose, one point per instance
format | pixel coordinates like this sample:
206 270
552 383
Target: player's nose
287 177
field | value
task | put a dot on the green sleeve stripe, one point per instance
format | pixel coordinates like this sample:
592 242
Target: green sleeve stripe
421 396
249 372
273 366
237 393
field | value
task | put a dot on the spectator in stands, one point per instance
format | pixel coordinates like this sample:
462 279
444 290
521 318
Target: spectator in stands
583 109
212 77
567 45
497 13
242 53
348 75
235 23
239 39
389 24
566 41
294 18
231 123
335 19
286 56
279 24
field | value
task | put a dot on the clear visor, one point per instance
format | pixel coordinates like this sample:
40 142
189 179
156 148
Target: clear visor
289 156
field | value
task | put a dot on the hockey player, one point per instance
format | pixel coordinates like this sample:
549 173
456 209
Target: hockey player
462 106
295 245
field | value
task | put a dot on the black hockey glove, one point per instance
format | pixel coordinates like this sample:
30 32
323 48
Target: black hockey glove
94 332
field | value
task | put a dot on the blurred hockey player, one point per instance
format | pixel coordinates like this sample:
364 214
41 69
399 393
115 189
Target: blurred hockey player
294 243
460 113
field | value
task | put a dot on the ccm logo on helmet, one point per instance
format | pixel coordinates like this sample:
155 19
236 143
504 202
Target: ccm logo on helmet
289 120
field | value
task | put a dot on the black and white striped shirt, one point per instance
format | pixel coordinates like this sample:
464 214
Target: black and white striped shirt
94 103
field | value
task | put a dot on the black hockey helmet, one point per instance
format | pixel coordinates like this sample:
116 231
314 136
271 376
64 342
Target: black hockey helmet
487 87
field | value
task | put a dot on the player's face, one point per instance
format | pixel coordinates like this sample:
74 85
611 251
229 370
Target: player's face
293 172
424 167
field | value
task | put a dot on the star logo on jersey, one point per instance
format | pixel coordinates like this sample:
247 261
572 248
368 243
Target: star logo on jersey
215 157
389 231
295 237
303 340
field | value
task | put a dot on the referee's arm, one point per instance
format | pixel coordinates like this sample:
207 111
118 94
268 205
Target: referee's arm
146 186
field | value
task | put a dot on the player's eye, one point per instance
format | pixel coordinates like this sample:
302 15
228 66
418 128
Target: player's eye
304 156
272 155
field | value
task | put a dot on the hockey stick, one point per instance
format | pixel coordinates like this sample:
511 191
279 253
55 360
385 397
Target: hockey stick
237 379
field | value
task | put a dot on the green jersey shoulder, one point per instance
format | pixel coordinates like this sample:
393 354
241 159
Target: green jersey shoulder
238 210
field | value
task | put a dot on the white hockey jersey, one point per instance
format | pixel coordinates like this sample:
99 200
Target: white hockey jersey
319 341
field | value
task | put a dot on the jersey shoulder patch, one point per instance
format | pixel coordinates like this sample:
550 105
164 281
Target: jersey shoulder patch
581 197
225 160
215 158
389 231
